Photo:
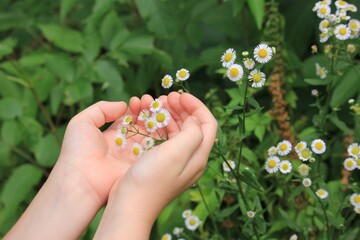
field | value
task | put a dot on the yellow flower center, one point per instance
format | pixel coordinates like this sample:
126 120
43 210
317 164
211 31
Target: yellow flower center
283 147
228 57
342 31
166 81
165 237
192 222
322 10
358 162
349 163
318 145
155 104
128 119
285 167
342 3
321 192
262 53
325 24
123 130
300 146
256 77
136 151
234 72
182 74
160 117
150 124
357 199
355 150
119 141
305 153
271 163
353 25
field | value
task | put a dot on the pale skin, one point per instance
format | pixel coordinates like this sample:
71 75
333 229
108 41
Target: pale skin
91 171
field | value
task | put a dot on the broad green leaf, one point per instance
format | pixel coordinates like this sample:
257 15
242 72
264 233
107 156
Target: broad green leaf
92 43
237 6
62 66
139 44
63 37
47 151
257 8
33 59
5 160
317 82
7 46
9 88
12 20
110 75
11 132
110 27
56 98
76 91
32 131
10 108
340 124
42 82
100 8
65 7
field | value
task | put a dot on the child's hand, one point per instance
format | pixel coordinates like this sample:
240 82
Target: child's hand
163 173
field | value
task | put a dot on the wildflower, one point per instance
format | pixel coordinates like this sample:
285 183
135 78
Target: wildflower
300 146
322 193
192 222
272 164
143 115
285 167
354 25
122 129
357 209
342 32
149 143
305 154
250 214
306 182
178 231
351 101
318 146
341 4
167 81
263 53
228 164
314 49
324 36
293 237
235 72
355 199
351 48
245 53
323 11
137 149
182 74
162 118
187 213
352 8
249 63
354 150
166 236
127 119
324 24
315 92
284 147
272 151
156 105
320 71
304 169
228 58
349 164
257 77
120 140
150 125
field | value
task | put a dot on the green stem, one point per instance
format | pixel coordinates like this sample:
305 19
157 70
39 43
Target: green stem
207 209
325 215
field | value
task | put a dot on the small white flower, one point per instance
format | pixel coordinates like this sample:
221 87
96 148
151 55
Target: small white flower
137 149
304 169
187 213
342 32
120 140
228 58
300 146
293 237
285 167
166 236
320 71
150 125
250 214
355 199
272 164
121 128
322 193
349 164
249 63
167 81
324 36
341 4
192 222
354 150
178 231
127 119
228 163
156 105
323 11
315 92
162 118
305 154
357 209
306 182
257 77
263 53
272 151
235 72
149 143
284 147
143 115
182 74
318 146
352 8
324 24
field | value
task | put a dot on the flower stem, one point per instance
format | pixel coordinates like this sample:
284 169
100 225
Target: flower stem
207 209
327 229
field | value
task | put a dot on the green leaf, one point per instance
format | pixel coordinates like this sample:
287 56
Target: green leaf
110 27
65 7
77 91
109 74
62 66
7 46
317 82
249 178
257 8
139 44
32 131
341 125
10 108
100 8
47 151
5 160
63 37
11 132
237 6
56 98
92 43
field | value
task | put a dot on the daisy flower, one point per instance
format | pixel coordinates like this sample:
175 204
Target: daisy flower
178 231
306 182
250 214
143 115
167 81
324 36
341 4
122 129
352 8
182 74
349 164
249 63
324 24
257 77
187 213
305 154
342 32
150 125
323 11
318 146
166 236
235 72
304 169
192 222
149 143
355 199
354 150
320 71
300 146
120 140
322 193
272 164
162 118
272 151
127 119
228 58
284 148
228 163
285 167
137 149
293 237
354 25
156 105
357 209
263 53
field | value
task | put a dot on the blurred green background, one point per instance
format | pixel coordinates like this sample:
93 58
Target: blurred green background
57 57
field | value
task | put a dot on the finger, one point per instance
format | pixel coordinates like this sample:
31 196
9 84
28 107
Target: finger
134 107
146 100
100 113
176 108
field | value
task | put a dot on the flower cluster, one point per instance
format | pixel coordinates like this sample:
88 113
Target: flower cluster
337 24
181 75
192 222
353 161
153 119
235 72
